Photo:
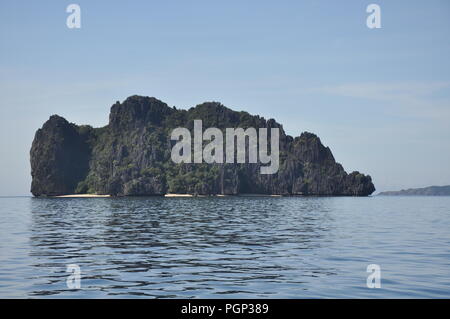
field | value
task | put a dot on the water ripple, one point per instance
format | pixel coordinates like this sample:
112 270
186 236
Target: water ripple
225 247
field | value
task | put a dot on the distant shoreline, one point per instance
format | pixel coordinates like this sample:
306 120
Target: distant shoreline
425 191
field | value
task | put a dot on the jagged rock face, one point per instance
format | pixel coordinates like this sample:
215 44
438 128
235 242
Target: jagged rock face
131 157
59 157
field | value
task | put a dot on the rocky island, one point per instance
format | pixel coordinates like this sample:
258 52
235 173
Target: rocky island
131 156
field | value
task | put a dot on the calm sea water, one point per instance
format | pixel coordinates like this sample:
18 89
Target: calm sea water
225 247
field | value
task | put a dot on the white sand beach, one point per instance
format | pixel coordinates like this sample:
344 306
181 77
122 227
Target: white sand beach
178 195
82 196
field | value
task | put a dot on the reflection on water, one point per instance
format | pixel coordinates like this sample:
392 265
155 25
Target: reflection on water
224 247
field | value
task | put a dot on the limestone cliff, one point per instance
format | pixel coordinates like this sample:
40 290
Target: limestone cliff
131 157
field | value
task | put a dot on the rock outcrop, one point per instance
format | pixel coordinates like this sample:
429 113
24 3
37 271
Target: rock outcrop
59 157
131 157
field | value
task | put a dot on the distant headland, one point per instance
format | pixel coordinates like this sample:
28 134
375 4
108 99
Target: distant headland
426 191
131 156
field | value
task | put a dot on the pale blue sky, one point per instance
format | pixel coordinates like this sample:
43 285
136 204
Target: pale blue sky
379 98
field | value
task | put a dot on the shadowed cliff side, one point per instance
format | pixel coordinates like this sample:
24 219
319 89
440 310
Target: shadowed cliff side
131 156
59 157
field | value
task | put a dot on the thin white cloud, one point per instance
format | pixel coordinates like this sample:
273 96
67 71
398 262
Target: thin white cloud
413 99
